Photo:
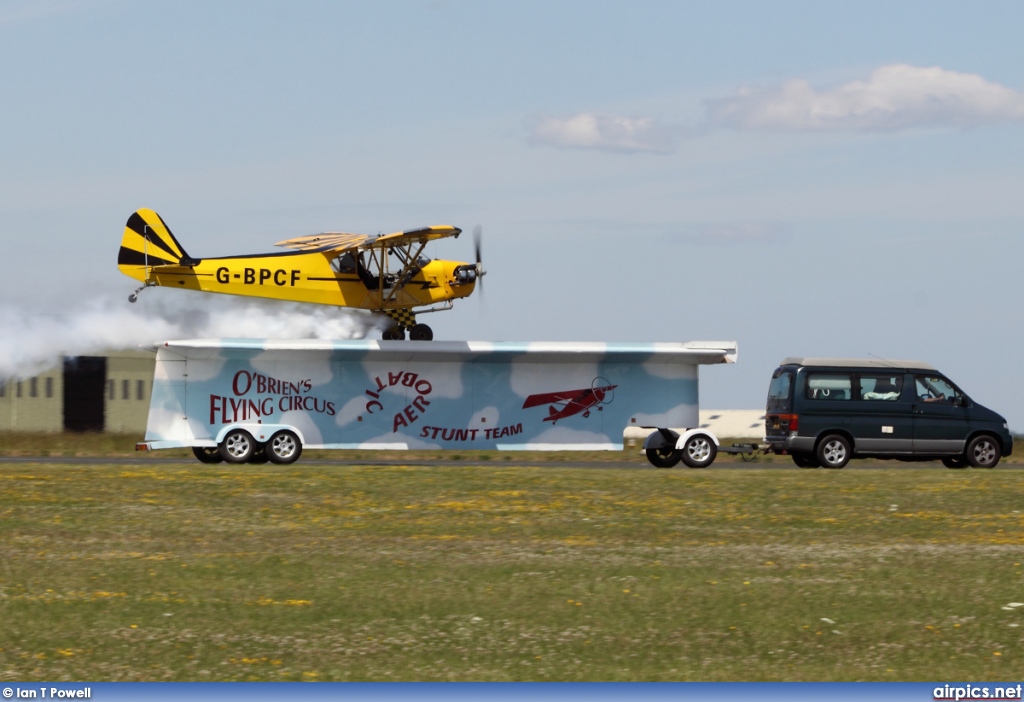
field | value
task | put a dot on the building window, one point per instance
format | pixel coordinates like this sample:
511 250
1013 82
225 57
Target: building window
3 389
33 387
18 390
140 389
125 387
49 387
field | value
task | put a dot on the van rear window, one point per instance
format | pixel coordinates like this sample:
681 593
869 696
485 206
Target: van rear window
829 386
782 385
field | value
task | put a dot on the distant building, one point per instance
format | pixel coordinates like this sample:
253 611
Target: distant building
84 393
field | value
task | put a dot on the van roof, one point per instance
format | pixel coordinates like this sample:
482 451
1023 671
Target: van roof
857 363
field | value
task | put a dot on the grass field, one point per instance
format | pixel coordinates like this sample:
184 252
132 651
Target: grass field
489 572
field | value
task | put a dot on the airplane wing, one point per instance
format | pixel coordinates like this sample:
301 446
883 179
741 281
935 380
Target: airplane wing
420 235
326 242
546 398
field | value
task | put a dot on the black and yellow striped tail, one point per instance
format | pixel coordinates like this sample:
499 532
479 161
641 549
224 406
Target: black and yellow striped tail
148 242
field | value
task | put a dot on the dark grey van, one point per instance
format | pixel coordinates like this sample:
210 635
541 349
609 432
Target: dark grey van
825 411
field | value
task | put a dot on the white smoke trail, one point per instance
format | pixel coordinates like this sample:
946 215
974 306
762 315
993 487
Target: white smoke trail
31 342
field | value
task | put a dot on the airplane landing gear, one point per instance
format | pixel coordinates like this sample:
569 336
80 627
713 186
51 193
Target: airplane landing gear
135 295
418 332
421 332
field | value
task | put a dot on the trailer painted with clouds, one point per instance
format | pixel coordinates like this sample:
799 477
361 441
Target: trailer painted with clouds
250 400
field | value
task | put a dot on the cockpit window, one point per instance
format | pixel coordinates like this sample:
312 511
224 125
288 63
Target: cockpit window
346 263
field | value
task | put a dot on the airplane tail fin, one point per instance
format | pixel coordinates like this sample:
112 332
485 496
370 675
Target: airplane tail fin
148 242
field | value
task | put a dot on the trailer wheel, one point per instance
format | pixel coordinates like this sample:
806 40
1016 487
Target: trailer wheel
237 447
259 454
699 451
207 454
664 456
284 447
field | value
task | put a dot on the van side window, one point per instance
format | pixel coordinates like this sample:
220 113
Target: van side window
881 387
935 389
829 386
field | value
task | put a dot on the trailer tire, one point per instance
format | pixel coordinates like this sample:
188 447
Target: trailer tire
237 446
259 454
284 447
699 451
664 456
207 454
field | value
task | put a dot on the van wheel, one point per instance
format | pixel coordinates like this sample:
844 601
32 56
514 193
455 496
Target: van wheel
833 451
805 460
699 451
284 447
237 447
207 454
664 456
983 452
957 462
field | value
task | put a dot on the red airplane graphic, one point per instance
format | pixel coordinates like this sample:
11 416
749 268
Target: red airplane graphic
566 403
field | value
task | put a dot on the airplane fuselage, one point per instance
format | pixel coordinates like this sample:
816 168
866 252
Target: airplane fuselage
309 277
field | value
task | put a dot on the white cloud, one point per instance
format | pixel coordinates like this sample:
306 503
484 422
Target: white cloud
894 97
603 132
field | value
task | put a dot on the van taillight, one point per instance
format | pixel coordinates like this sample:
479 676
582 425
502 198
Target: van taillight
792 419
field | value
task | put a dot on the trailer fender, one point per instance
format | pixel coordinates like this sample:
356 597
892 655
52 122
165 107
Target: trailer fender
660 438
681 441
260 432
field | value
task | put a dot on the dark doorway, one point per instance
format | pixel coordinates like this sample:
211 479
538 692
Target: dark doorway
85 378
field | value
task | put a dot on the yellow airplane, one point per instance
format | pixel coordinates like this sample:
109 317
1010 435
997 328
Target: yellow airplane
334 268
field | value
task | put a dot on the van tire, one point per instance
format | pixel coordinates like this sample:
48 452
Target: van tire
699 451
284 447
983 452
805 460
237 446
834 451
664 456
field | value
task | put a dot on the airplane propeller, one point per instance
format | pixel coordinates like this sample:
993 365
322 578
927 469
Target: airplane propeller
480 272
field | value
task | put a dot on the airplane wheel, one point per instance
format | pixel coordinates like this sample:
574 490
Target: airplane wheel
393 334
207 454
237 447
421 332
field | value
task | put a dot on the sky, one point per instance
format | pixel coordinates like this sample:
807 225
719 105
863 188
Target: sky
803 178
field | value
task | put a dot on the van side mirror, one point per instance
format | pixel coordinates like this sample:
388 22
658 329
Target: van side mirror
964 402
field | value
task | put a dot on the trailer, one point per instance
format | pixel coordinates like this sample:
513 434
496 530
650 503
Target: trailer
256 400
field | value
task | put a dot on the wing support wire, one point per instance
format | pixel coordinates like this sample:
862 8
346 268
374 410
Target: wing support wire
148 282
